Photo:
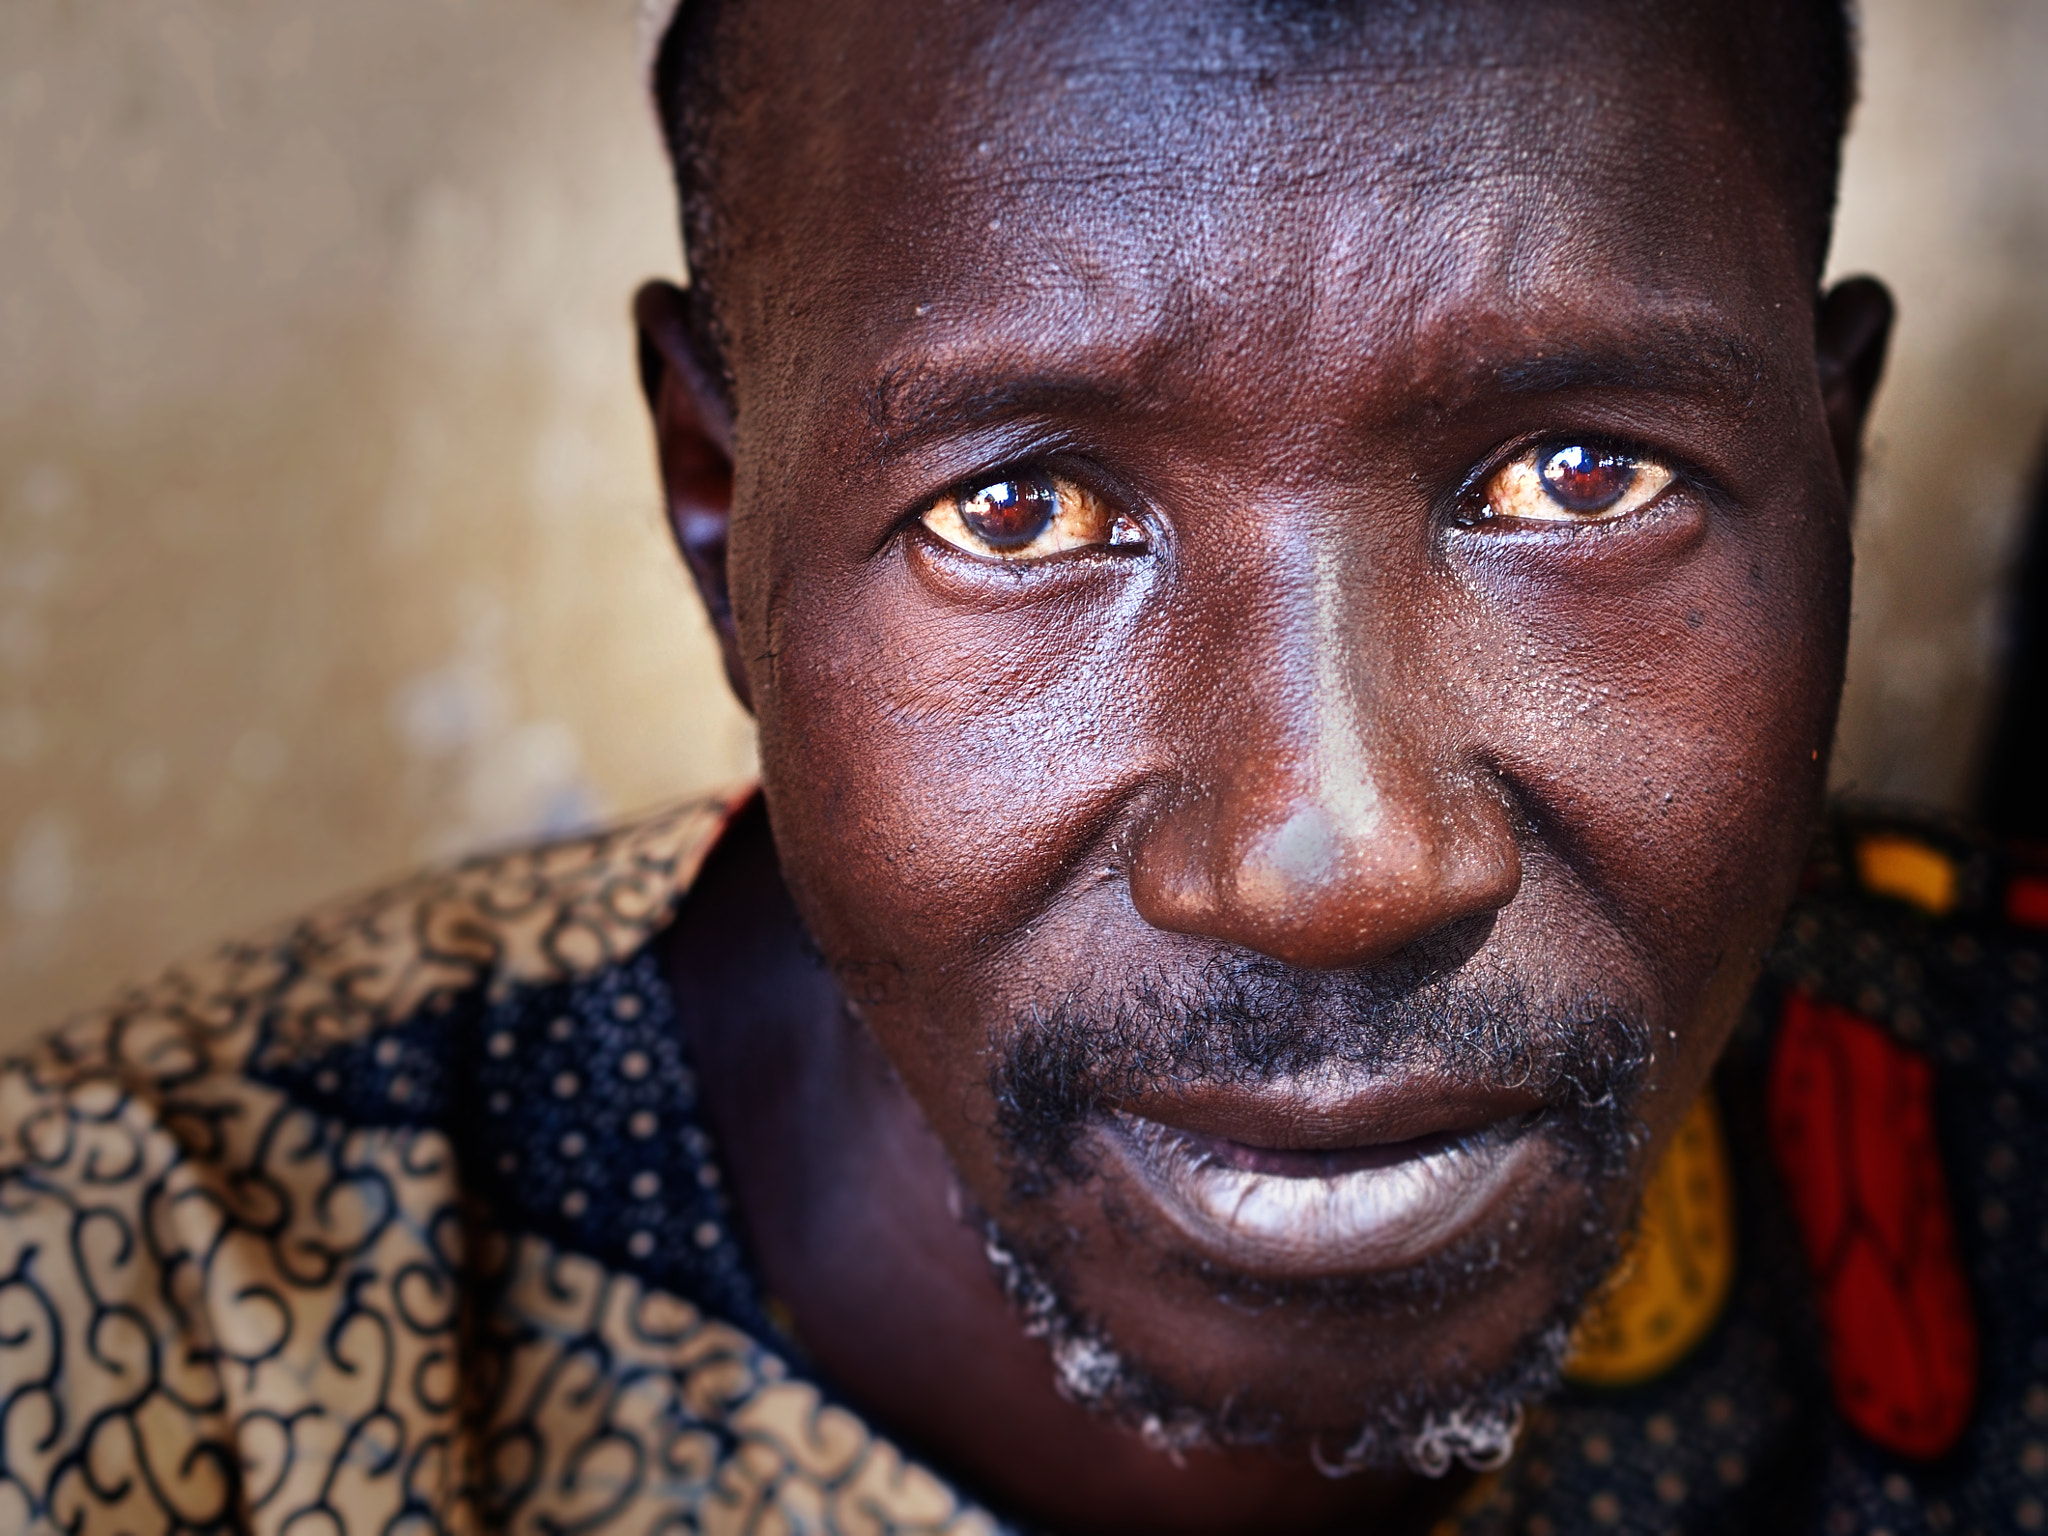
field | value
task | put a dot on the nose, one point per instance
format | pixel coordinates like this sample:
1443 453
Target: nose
1329 823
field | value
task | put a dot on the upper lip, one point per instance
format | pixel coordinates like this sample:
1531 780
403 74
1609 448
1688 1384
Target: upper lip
1331 1115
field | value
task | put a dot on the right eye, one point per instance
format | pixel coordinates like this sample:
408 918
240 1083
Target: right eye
1028 515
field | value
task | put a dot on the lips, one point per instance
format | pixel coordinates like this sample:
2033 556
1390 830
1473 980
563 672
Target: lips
1308 1182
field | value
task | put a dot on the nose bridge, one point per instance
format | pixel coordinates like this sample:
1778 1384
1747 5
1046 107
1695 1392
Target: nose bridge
1308 745
1328 811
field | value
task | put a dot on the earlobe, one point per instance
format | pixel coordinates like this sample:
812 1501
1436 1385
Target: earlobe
1852 330
693 431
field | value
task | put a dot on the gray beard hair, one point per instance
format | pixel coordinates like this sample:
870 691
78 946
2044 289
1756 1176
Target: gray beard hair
1252 1020
1476 1429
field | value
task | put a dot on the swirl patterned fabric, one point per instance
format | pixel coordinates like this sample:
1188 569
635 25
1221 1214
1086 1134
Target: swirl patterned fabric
253 1278
403 1218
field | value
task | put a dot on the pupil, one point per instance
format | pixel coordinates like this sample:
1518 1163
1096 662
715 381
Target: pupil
1008 514
1587 479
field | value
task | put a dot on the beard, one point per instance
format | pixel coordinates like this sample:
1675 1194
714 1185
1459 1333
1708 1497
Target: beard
1060 1069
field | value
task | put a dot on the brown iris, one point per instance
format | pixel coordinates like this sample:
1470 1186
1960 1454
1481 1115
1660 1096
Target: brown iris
1584 479
1573 483
1010 513
1025 516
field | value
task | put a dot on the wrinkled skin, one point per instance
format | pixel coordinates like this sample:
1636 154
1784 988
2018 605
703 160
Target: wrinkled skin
1286 305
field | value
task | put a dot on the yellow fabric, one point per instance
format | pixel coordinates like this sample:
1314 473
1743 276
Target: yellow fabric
1670 1285
1907 868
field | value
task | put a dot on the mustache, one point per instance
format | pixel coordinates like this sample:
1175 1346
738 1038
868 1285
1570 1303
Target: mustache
1246 1020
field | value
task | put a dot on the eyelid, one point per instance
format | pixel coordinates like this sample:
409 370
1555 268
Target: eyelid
1514 492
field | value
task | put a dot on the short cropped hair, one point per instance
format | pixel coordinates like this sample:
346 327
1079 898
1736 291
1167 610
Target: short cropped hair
1801 55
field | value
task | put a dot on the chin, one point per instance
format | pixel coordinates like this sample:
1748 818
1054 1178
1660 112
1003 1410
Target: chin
1393 1306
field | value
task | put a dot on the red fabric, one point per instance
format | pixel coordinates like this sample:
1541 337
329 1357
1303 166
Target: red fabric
2026 901
1852 1124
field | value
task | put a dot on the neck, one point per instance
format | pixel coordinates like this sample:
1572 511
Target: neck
848 1204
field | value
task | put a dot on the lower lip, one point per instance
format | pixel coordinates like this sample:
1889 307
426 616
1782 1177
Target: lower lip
1390 1214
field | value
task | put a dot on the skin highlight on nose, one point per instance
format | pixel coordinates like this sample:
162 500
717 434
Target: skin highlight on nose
1343 881
1303 853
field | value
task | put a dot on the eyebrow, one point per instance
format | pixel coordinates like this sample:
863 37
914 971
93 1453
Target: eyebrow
911 404
917 400
1665 356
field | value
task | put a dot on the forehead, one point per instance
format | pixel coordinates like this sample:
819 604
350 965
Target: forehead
1160 188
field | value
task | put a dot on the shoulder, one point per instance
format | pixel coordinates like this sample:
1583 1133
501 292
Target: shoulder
1898 1049
525 916
194 1239
1934 939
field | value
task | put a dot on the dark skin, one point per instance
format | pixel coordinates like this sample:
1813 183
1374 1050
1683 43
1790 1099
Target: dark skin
1321 703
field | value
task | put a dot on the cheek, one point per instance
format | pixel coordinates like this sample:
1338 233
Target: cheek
935 772
1674 727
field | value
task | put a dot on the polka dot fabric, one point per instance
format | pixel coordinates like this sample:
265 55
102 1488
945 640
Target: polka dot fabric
573 1108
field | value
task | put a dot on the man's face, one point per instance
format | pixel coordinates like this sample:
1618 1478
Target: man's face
1293 578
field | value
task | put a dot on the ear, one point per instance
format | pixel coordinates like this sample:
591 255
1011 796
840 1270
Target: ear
693 432
1851 332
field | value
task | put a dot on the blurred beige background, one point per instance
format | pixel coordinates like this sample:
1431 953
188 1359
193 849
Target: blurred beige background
329 537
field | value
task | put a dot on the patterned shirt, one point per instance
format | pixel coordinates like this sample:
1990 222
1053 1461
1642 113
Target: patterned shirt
403 1218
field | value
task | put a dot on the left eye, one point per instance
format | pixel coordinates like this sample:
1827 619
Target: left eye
1028 516
1573 483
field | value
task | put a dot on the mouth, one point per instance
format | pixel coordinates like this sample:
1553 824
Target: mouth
1313 1185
